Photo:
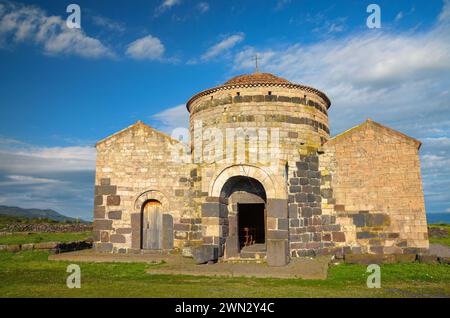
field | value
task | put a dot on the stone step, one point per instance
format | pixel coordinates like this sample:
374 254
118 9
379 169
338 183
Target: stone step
239 260
256 251
253 255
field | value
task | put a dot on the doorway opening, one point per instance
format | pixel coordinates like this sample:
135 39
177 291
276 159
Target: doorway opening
151 225
251 224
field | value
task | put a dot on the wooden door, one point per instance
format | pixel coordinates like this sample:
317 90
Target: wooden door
152 226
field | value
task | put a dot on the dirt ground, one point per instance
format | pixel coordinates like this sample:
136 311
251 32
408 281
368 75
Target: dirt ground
168 263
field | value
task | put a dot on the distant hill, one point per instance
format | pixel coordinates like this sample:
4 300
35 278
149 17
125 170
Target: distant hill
36 214
433 218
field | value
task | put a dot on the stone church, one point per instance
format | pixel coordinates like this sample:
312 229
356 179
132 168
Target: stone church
260 178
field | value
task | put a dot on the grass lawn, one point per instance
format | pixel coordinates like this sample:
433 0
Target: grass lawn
441 240
24 238
30 274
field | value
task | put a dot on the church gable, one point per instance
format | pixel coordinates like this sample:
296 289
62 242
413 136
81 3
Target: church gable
370 130
137 130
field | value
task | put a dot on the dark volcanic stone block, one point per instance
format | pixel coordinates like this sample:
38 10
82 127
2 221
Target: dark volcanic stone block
98 200
105 190
365 235
359 220
205 253
338 236
277 208
258 98
304 181
377 219
368 259
103 247
124 230
136 230
210 209
302 166
105 181
301 197
182 227
282 224
167 235
115 215
99 212
311 197
306 212
293 210
428 259
277 234
102 225
277 252
295 189
113 200
117 238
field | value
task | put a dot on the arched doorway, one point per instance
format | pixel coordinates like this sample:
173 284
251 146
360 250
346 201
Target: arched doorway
247 216
152 225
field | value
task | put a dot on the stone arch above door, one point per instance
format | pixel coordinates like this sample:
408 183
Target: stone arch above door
271 186
136 218
151 195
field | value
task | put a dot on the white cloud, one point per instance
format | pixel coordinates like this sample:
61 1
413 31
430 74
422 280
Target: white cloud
30 24
166 5
374 74
399 16
281 4
28 159
60 178
223 46
146 48
108 24
398 79
26 180
171 118
203 7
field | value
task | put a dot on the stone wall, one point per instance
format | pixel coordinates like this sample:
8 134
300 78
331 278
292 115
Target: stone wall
46 227
294 120
312 230
377 196
294 117
133 166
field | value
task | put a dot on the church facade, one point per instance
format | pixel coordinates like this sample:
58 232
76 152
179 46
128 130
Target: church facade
260 178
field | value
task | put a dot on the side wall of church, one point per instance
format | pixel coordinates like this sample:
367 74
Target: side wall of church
133 166
375 190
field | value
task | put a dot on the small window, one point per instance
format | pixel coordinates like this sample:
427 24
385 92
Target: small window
270 93
212 97
238 94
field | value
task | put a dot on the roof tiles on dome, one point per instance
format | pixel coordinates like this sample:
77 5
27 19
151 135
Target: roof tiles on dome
258 79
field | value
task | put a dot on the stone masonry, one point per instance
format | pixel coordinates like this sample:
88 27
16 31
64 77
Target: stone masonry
261 144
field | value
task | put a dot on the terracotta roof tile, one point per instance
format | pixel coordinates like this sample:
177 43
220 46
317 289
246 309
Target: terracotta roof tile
256 78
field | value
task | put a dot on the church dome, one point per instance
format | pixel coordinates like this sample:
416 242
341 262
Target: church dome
257 78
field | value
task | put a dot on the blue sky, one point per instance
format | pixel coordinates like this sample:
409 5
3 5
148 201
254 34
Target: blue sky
62 90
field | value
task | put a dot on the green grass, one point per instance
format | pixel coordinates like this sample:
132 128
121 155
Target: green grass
440 240
30 274
24 238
